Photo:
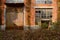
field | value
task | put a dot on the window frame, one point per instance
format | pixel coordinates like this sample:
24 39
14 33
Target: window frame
47 16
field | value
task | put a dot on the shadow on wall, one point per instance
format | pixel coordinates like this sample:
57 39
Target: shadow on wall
0 16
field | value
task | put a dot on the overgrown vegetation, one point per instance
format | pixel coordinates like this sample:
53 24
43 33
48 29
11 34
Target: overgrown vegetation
56 26
44 25
40 34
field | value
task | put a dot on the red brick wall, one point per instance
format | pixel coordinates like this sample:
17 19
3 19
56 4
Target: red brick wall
54 10
32 17
2 7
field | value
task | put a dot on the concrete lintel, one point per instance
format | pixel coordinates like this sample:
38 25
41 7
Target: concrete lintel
43 6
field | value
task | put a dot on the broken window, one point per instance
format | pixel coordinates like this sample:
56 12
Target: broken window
41 13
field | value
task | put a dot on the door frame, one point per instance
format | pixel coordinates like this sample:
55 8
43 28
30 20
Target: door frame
5 17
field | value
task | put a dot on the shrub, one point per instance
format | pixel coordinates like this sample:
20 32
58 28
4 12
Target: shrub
44 25
56 26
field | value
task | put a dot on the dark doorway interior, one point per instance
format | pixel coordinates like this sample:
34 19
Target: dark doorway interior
45 23
15 4
14 15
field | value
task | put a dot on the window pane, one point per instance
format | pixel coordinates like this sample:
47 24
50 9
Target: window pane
48 2
43 1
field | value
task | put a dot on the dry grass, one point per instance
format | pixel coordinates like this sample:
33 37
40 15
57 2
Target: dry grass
29 35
